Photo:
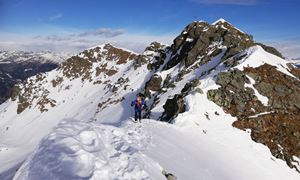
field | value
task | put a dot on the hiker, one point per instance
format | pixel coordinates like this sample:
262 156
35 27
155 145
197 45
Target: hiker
138 104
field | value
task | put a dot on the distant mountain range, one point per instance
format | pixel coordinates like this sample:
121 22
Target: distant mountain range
16 66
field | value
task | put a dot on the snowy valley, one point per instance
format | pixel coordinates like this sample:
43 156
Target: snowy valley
220 106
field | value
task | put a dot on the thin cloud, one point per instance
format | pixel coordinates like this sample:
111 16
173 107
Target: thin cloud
105 32
56 38
228 2
72 43
55 17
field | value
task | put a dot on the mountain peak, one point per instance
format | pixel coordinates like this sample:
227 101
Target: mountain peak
109 47
221 20
199 38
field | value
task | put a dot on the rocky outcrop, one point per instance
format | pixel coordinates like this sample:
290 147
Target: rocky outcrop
201 41
173 107
157 53
191 86
139 61
76 67
281 89
278 127
154 84
233 96
176 105
196 46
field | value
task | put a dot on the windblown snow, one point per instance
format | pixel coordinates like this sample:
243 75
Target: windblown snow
77 150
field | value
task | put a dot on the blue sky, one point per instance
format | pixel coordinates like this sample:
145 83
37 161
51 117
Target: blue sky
51 24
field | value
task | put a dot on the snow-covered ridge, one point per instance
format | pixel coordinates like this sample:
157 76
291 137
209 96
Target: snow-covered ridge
257 56
221 20
102 47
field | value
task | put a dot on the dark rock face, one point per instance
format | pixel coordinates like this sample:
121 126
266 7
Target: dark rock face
13 73
157 52
139 61
202 39
173 107
280 127
154 84
176 105
191 86
233 96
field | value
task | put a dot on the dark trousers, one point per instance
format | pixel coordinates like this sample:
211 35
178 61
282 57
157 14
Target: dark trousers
138 115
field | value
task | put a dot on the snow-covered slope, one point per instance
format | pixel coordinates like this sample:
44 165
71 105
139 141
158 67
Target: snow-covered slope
74 122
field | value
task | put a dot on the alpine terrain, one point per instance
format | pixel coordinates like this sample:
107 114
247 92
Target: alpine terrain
219 106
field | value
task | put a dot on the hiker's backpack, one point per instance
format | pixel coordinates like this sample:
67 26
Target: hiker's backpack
139 103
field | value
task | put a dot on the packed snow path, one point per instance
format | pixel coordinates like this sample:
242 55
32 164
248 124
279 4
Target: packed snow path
78 150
